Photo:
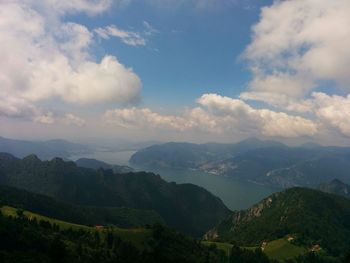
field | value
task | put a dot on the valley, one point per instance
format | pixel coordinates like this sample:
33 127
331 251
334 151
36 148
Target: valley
229 216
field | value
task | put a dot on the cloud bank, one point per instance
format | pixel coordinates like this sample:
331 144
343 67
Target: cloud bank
219 115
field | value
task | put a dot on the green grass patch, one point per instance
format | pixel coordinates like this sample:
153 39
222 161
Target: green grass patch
137 236
11 211
282 249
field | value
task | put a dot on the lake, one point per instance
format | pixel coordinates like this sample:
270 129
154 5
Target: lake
120 158
234 193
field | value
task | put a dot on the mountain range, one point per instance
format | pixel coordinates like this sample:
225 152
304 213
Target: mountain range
263 162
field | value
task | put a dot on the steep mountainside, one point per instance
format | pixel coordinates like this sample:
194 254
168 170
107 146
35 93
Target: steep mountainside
309 216
335 187
43 149
264 162
186 207
96 164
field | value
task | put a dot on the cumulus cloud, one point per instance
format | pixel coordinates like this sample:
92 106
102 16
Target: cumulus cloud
279 101
43 57
333 111
296 44
144 118
265 121
216 114
13 107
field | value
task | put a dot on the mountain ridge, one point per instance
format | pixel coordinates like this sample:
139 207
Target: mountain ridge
264 162
186 207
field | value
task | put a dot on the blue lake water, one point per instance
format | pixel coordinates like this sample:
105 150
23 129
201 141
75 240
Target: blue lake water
235 194
120 158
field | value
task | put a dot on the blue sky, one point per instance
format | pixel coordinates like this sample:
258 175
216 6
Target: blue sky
196 50
175 70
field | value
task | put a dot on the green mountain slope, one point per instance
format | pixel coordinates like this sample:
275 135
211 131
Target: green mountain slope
86 215
311 217
185 207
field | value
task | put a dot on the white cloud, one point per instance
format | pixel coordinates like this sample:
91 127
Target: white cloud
92 7
279 101
43 57
130 38
298 43
218 115
47 118
13 107
144 118
71 119
264 121
333 111
149 29
107 81
127 37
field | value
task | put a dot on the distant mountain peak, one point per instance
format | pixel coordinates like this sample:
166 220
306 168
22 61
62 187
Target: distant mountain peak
31 157
337 187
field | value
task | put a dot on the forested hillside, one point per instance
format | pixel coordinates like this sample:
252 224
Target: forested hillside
185 207
309 217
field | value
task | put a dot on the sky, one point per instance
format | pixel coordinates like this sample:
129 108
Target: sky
175 70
